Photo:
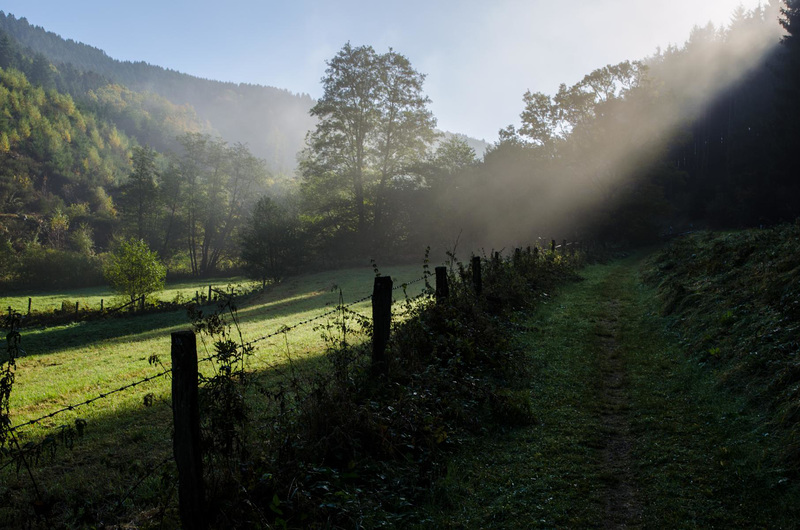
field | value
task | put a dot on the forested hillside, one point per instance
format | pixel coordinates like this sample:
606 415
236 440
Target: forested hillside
95 150
271 121
78 172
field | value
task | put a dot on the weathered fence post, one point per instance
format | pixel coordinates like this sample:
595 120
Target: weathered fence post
477 281
101 305
552 245
186 419
442 287
381 320
209 293
30 302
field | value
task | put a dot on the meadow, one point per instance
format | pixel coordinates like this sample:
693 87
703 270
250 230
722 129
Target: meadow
130 431
90 297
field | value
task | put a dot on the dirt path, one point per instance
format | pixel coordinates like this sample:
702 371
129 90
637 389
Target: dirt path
629 431
622 508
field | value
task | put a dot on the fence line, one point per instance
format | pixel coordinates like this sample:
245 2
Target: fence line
91 400
284 329
381 315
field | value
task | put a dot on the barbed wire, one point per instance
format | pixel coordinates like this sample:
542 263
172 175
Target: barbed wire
406 284
286 329
283 329
89 401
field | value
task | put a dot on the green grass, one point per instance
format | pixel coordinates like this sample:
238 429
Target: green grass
697 455
68 364
90 297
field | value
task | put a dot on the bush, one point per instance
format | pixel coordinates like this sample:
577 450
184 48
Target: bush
134 270
43 267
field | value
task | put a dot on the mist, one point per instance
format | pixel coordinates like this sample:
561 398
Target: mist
608 148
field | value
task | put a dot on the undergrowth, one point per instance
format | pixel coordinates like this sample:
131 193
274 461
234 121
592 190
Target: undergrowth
734 300
349 446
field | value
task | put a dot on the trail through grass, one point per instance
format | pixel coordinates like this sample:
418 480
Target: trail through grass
630 432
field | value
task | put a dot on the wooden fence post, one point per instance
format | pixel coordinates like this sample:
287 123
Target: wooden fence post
477 281
552 245
209 293
381 320
101 305
442 287
186 419
30 302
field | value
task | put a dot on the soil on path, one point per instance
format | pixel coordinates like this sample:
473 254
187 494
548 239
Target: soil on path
622 508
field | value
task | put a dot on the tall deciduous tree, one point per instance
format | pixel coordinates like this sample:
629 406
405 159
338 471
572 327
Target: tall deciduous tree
219 183
373 122
405 126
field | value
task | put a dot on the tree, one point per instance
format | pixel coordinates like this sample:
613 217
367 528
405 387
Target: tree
134 270
139 193
270 244
373 123
218 183
405 126
348 113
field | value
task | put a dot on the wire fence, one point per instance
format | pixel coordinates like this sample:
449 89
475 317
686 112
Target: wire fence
279 331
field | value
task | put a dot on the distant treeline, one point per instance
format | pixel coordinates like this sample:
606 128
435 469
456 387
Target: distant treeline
701 134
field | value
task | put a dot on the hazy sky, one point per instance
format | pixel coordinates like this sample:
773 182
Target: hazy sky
479 56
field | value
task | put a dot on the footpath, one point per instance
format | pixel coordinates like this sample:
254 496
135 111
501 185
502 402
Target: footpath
629 433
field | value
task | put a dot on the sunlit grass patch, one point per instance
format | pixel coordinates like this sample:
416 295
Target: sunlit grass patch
70 363
90 297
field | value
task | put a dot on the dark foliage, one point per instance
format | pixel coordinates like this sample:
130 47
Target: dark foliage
734 298
353 446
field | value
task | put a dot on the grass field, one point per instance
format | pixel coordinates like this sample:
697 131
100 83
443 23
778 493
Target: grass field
89 297
69 364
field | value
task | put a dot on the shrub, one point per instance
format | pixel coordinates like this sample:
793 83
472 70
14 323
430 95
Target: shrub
134 270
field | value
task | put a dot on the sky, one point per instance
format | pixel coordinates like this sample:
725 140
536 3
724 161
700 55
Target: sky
479 57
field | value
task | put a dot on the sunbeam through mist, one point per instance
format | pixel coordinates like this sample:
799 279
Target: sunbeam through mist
605 157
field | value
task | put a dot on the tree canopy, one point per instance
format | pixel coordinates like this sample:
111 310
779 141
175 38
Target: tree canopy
373 123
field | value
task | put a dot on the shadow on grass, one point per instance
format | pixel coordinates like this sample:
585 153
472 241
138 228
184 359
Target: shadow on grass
121 470
304 297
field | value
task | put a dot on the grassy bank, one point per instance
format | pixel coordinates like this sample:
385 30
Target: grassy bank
732 300
630 431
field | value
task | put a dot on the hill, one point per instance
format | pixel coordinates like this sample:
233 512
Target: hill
271 121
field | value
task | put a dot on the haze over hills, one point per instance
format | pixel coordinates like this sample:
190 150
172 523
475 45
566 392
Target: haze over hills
273 122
